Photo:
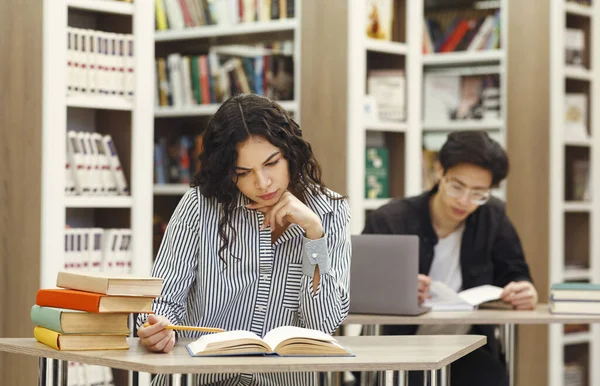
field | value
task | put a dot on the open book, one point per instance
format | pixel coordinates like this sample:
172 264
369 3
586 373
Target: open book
444 298
283 341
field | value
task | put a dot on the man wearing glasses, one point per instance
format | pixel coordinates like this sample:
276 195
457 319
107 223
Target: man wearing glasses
466 240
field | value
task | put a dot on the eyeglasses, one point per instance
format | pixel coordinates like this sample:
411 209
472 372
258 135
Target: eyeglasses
456 190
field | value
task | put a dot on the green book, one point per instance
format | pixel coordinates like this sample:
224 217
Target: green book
196 80
67 321
575 287
377 172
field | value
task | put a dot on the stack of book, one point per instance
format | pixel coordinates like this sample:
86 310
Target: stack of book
91 311
575 298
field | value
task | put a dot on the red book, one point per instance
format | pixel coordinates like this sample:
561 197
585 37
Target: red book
93 302
454 39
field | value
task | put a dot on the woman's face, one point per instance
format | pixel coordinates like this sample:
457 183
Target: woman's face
261 171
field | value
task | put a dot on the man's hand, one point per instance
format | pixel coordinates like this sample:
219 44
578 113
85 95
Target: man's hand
521 295
290 210
424 283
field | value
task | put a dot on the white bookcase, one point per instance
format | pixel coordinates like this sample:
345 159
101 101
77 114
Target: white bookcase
402 139
574 224
96 113
468 62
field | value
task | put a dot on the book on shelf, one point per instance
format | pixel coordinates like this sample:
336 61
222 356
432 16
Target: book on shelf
66 321
377 171
176 158
461 34
429 176
575 328
451 97
80 342
388 88
380 18
180 14
192 80
581 188
93 302
576 117
110 284
574 47
575 298
574 374
444 298
93 167
282 341
99 63
98 250
575 292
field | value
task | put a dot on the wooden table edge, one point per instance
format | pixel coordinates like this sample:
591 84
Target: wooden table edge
43 351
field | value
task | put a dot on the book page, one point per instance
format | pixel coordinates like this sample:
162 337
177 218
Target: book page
281 334
477 295
222 339
441 293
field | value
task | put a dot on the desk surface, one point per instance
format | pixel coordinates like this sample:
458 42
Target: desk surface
373 353
541 315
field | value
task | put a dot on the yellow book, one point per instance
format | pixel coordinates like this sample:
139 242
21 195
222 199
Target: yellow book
79 342
161 16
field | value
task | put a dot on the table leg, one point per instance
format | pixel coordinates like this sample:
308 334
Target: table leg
42 371
175 379
62 373
367 378
433 377
509 351
321 379
402 378
445 376
385 378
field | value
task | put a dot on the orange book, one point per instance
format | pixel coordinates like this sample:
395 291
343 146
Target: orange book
93 302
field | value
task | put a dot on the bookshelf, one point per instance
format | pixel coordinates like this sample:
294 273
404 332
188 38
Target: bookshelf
35 208
564 249
442 63
572 231
191 119
337 126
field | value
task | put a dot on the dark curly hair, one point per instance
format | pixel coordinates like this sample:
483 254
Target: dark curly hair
236 120
477 148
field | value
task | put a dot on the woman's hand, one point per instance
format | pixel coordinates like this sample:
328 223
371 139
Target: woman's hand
155 337
521 295
290 210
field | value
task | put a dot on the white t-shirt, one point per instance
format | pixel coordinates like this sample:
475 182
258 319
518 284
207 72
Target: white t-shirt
445 268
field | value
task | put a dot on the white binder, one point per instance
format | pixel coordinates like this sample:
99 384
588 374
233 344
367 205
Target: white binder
87 163
107 179
96 236
75 159
115 165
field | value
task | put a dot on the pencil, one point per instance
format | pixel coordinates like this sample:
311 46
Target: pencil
190 328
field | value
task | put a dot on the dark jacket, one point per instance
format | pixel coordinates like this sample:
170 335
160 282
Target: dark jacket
491 251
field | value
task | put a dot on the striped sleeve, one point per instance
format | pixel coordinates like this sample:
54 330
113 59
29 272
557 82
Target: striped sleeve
177 259
327 308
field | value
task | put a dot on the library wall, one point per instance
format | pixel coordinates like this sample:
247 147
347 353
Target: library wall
528 150
323 116
20 188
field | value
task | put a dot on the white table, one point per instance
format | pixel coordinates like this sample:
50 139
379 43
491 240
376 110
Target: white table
506 319
373 353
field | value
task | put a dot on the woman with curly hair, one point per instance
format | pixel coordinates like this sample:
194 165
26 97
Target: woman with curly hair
257 243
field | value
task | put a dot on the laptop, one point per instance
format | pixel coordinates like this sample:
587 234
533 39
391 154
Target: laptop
383 275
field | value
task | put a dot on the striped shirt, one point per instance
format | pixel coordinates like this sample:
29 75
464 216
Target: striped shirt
263 285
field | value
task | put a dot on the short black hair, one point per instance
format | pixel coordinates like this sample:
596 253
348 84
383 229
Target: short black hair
476 148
